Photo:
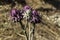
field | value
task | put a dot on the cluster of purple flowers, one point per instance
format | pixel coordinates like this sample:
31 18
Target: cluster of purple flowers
27 12
35 18
16 15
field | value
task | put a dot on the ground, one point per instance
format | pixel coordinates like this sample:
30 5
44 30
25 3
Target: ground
47 29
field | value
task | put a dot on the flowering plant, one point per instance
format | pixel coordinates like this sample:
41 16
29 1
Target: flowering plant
31 15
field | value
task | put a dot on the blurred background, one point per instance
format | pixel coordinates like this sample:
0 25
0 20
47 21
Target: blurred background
48 29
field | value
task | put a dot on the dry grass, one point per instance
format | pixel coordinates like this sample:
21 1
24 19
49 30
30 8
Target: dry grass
45 30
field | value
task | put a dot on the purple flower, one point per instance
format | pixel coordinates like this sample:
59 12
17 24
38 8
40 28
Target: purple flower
26 12
35 13
35 17
27 8
16 15
13 12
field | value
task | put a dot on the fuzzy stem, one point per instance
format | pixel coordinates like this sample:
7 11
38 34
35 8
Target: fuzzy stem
29 32
33 29
24 28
